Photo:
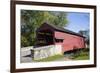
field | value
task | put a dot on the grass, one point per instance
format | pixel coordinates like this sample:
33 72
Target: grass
81 55
51 58
82 58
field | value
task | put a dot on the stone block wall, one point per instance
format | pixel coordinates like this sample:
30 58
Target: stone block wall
46 51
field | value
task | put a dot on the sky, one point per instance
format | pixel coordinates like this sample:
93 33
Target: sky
77 21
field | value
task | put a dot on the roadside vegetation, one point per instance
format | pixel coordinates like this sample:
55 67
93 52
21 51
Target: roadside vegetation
51 58
82 54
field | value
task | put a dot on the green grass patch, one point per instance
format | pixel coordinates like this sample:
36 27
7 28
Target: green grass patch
82 58
51 58
81 55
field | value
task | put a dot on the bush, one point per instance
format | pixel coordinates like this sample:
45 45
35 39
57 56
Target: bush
24 41
81 54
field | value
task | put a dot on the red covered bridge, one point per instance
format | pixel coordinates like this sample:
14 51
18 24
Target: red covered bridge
48 34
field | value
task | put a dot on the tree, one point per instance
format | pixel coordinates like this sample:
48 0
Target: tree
24 41
31 20
86 34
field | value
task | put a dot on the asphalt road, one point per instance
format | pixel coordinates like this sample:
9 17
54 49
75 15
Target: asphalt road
26 56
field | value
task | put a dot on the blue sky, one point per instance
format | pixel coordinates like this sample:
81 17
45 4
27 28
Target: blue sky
77 21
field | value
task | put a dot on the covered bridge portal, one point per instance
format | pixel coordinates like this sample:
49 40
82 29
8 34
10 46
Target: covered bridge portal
48 34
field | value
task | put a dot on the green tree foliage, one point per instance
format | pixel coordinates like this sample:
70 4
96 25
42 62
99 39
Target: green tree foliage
24 41
86 34
31 20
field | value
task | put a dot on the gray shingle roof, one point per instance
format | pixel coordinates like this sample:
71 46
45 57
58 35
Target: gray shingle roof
64 30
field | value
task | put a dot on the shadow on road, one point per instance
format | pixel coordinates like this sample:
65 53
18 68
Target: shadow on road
27 55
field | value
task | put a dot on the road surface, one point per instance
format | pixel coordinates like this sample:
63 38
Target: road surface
26 56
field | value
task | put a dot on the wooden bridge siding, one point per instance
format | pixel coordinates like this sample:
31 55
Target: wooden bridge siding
70 42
